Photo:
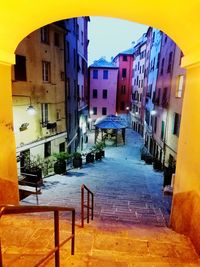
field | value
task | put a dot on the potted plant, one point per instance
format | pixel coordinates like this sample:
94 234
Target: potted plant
168 171
99 150
60 164
77 160
90 157
157 164
143 152
148 158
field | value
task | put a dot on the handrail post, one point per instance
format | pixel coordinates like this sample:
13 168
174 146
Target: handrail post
73 233
92 207
88 207
82 206
56 238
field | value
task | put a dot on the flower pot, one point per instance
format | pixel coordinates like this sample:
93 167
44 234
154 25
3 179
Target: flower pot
98 155
77 162
89 158
102 153
60 167
148 159
157 165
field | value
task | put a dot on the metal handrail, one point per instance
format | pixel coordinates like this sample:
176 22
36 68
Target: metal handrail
88 206
31 209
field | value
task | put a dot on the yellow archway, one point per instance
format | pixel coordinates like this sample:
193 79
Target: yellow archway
178 18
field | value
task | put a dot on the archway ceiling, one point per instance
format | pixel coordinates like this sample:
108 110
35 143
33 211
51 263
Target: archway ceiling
178 18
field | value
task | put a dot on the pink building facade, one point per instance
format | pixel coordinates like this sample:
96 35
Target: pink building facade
103 89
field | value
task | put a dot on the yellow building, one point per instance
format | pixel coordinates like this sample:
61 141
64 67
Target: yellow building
38 91
175 108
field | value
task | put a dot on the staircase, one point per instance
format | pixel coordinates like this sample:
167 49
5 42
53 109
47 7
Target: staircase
27 238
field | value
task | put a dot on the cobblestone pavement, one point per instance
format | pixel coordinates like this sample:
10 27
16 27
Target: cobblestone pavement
126 189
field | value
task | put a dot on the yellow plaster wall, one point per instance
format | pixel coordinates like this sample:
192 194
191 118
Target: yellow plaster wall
8 171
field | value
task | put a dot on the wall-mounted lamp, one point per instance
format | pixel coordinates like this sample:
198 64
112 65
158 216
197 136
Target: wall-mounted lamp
153 112
30 109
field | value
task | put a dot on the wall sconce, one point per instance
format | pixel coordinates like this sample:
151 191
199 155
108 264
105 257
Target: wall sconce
30 109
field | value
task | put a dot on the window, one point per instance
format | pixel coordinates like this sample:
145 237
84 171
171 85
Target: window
94 110
95 74
58 114
68 88
44 114
165 97
68 52
176 124
74 56
77 31
20 68
124 57
44 32
62 75
94 93
162 66
122 105
162 130
170 62
123 73
123 90
179 88
105 74
158 60
82 37
56 39
62 147
76 89
155 124
46 71
47 149
104 111
105 93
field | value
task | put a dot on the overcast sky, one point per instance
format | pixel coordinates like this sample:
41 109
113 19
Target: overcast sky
110 36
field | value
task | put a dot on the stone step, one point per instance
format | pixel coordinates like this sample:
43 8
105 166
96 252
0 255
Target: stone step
26 239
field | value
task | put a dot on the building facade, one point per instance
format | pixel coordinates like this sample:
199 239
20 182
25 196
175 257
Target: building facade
71 70
82 90
138 70
103 88
162 98
175 109
124 61
38 91
152 74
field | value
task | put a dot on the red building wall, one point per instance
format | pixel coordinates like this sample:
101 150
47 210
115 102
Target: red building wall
124 87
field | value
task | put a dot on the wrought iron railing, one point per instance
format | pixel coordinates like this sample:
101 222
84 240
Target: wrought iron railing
57 245
89 205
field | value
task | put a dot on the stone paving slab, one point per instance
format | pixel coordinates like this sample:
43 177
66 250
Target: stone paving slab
121 182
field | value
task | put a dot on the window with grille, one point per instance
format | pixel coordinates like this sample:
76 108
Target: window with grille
95 93
20 68
46 71
95 74
105 74
179 85
44 34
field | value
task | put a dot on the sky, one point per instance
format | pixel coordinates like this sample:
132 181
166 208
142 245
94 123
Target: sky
110 36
